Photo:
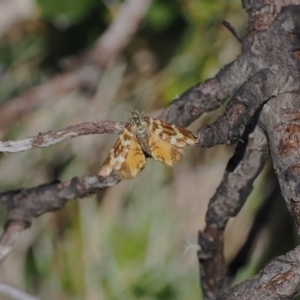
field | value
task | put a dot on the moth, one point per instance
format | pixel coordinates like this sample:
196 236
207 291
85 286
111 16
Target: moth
143 137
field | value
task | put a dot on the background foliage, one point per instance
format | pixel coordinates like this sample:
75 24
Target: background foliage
138 239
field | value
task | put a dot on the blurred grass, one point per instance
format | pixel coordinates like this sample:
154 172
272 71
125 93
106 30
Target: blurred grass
132 240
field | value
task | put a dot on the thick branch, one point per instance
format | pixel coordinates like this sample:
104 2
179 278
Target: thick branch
259 52
229 198
281 120
263 12
279 279
207 96
47 139
247 100
23 205
238 179
272 51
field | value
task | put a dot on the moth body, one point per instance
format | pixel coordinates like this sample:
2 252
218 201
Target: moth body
140 130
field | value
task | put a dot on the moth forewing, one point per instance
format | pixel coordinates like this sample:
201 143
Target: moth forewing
170 133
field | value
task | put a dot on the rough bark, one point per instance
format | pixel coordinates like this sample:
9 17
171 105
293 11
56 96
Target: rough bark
236 185
272 45
280 119
25 204
279 279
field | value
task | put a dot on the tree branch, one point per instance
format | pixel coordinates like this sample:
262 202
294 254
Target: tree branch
280 119
236 185
279 279
232 30
207 96
277 73
47 139
228 128
23 205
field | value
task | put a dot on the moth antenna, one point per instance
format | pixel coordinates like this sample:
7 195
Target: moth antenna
121 106
140 98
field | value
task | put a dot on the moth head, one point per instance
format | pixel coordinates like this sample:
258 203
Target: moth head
136 118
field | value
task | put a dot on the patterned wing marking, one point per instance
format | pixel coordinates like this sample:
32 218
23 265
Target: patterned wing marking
164 151
167 141
170 133
118 153
134 161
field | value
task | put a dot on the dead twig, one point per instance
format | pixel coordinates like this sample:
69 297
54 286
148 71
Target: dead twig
25 204
232 30
47 139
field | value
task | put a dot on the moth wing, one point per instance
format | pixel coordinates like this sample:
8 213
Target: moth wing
134 161
166 141
175 135
117 154
164 151
126 158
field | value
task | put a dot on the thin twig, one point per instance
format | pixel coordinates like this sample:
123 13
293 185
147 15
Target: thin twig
47 139
232 30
